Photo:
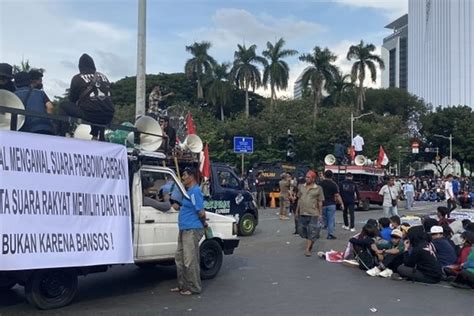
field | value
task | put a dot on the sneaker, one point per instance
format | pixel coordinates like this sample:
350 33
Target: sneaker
387 273
350 263
373 272
345 227
331 237
396 277
353 229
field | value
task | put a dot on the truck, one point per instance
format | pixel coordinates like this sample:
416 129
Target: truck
369 180
52 233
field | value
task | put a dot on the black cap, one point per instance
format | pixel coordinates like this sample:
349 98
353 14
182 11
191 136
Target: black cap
22 79
35 74
6 70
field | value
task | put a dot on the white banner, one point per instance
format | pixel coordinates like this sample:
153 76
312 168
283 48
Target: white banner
63 202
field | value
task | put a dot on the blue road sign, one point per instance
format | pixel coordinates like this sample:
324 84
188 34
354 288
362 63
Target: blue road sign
243 145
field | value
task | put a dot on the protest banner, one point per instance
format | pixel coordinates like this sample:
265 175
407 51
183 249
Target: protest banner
63 202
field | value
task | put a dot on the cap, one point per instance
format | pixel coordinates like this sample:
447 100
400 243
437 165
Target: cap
436 230
6 70
396 233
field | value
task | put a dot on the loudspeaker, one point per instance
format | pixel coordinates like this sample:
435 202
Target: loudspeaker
147 124
330 160
193 143
10 100
360 160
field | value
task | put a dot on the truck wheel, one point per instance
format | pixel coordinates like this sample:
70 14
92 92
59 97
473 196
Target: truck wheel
211 259
51 288
247 225
365 205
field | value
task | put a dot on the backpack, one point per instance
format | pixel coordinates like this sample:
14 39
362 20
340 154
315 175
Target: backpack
365 259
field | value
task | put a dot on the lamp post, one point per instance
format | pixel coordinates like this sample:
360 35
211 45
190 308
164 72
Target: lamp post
352 122
450 138
141 60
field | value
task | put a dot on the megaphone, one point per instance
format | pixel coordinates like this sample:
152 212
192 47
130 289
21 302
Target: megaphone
193 143
146 124
82 131
360 160
330 160
9 99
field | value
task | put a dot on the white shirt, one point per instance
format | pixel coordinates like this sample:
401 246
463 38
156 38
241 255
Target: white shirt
388 194
358 142
448 189
408 187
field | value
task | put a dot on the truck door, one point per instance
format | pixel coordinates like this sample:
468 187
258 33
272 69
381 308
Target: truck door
157 229
226 197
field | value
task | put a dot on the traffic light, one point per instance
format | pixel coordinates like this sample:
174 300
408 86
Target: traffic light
290 147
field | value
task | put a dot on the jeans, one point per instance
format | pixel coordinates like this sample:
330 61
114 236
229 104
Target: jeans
348 208
262 199
187 260
451 206
409 197
329 213
415 275
389 211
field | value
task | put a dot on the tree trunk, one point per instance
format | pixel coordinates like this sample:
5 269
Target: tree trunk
360 101
247 108
272 98
315 104
200 93
222 112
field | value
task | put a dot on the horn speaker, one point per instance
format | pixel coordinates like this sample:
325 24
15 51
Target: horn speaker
330 160
360 160
10 100
193 143
147 124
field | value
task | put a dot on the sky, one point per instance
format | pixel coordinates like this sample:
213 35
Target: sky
52 34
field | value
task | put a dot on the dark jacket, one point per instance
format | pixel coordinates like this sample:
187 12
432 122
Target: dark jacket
348 190
424 261
445 252
97 102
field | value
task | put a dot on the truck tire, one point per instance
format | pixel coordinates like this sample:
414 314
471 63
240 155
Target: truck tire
211 259
51 288
364 206
247 224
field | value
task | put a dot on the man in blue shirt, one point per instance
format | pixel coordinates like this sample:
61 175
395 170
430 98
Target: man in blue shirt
191 222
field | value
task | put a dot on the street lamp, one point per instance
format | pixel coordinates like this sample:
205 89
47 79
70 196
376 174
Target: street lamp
352 122
450 145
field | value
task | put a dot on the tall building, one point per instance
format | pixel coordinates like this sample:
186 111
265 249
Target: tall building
298 88
395 55
441 51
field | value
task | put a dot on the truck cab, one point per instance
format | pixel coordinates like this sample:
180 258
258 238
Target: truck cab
227 196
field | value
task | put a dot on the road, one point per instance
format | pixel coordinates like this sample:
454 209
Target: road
267 275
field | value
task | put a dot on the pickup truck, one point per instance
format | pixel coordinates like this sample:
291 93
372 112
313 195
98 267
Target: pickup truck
152 233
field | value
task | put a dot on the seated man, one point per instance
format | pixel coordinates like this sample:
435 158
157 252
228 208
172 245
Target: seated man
170 191
149 200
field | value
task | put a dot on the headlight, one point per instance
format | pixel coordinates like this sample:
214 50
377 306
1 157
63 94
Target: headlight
234 228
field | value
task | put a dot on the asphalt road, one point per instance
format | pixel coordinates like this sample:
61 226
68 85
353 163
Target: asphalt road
267 275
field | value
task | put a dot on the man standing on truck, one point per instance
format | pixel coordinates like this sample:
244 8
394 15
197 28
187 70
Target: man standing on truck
349 192
309 209
191 222
331 197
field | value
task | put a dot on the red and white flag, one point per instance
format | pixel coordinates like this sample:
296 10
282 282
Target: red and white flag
204 163
382 159
190 124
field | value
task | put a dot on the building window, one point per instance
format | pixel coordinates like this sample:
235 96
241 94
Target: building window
392 70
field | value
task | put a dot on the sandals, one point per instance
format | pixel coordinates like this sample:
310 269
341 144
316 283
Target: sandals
175 289
180 291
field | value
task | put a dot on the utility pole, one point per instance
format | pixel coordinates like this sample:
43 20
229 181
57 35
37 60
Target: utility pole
141 60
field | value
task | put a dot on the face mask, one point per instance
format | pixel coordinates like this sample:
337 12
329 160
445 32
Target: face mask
391 226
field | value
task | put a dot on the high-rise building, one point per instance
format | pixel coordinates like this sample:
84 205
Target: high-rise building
298 88
395 55
441 51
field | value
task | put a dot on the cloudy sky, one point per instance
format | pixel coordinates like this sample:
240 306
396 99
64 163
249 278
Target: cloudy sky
52 34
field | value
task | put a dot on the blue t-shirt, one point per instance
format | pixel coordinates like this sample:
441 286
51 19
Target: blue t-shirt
36 102
172 189
188 214
385 233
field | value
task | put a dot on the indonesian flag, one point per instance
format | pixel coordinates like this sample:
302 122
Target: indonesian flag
204 163
190 124
382 159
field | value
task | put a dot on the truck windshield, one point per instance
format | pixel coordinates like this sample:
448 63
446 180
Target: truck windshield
228 180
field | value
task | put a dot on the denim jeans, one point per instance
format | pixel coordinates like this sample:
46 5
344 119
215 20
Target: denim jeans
389 211
409 197
329 213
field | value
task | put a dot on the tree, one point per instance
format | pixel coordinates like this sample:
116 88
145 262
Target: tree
25 66
276 73
321 70
245 72
219 89
338 88
198 65
363 58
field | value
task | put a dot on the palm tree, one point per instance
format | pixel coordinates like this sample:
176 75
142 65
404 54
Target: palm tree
321 70
219 89
364 58
198 65
25 66
338 87
245 73
277 71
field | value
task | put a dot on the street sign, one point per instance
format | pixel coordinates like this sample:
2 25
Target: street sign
243 145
